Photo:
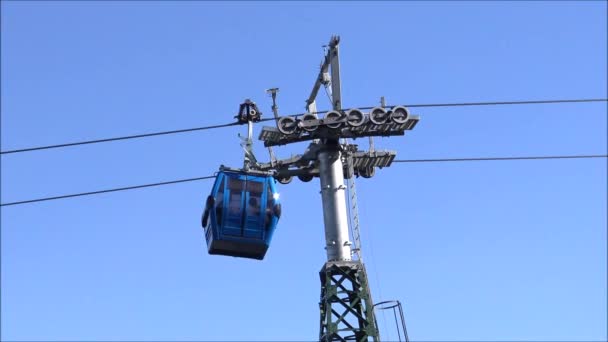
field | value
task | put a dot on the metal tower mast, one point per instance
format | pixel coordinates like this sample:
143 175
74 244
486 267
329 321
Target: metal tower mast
346 308
346 305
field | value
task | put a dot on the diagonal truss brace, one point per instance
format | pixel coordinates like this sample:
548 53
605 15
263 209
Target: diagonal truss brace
346 307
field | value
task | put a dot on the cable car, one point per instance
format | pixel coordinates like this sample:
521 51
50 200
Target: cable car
241 213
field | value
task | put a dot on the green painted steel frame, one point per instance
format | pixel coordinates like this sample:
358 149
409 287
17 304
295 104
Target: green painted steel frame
346 307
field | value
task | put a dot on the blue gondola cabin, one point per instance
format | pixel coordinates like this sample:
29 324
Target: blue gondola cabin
241 214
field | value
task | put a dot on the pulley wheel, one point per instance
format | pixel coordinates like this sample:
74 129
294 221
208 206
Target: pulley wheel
285 180
309 117
305 178
400 114
334 115
287 125
378 116
367 172
355 118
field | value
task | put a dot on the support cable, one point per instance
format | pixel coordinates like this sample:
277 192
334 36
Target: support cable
394 161
137 136
466 104
499 158
106 191
145 135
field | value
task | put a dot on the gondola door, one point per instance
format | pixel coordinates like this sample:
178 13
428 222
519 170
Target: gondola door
256 203
233 222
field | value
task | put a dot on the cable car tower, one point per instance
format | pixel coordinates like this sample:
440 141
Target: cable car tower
346 307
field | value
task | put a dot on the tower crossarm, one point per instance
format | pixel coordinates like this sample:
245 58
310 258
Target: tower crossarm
362 163
293 129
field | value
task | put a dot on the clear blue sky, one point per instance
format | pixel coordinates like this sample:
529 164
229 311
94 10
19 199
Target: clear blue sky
475 251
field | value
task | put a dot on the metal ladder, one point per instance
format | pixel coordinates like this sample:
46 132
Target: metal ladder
353 209
355 231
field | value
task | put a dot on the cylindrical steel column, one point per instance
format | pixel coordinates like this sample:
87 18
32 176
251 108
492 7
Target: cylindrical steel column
334 203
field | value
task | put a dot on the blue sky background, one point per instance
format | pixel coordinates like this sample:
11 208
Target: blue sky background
474 251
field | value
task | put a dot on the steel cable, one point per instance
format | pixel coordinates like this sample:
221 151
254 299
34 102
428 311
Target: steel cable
145 135
394 161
